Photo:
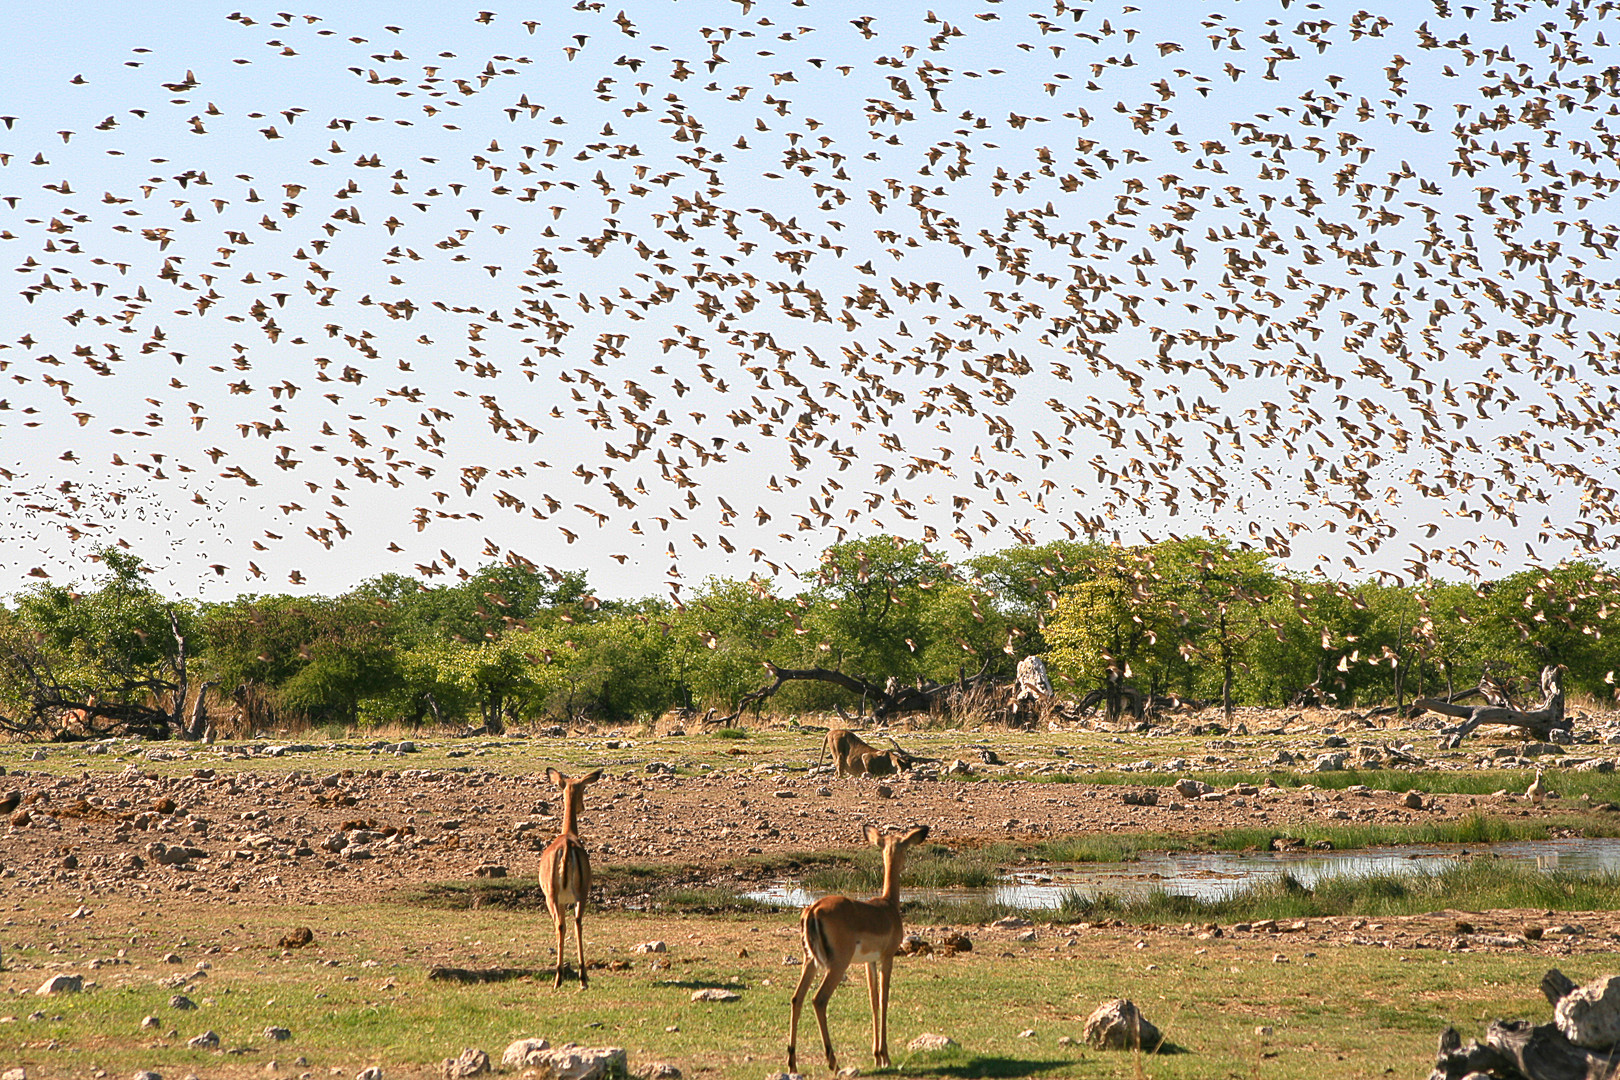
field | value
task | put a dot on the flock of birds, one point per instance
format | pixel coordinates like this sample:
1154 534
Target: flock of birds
708 285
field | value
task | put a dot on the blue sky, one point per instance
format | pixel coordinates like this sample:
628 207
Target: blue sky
302 300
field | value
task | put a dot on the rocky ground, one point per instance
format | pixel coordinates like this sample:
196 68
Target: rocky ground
303 822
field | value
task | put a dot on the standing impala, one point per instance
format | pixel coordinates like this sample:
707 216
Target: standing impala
839 932
565 870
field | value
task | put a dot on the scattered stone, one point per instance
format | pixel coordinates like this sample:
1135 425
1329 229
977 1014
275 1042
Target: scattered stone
1189 788
206 1041
372 1072
277 1034
1144 797
1589 1015
1011 922
298 938
19 1073
884 791
1119 1025
657 1070
61 984
1330 763
490 870
181 1002
929 1041
147 1074
1412 800
651 947
715 993
521 1053
150 1023
581 1063
956 942
472 1062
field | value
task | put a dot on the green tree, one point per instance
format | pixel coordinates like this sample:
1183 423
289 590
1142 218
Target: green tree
119 641
318 658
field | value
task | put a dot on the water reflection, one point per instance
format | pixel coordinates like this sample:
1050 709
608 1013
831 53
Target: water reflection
1218 875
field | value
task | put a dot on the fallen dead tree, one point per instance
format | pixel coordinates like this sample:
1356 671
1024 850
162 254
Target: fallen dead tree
1580 1043
1119 699
1540 722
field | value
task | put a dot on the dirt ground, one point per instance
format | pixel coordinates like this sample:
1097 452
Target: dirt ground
306 824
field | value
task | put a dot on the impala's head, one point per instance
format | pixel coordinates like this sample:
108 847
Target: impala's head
894 844
573 788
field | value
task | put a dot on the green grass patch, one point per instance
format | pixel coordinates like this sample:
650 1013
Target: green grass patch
1473 885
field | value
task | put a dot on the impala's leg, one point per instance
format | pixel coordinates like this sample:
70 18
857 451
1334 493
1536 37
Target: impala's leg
579 939
558 917
805 978
872 989
882 1010
835 975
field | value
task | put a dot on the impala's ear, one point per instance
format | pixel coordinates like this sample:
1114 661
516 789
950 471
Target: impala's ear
915 836
556 777
591 777
874 836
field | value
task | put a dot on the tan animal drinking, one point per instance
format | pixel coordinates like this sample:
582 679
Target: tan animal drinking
854 756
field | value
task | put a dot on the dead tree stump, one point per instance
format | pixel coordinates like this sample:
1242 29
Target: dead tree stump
1520 1050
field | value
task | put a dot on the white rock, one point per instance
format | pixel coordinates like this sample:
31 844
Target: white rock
929 1041
657 1070
61 984
1118 1025
371 1072
581 1063
472 1062
715 993
522 1053
18 1073
651 947
206 1041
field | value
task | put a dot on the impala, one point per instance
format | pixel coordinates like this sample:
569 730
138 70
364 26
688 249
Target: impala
839 932
565 870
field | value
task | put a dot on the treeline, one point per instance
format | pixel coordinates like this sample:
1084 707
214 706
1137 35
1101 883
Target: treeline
521 643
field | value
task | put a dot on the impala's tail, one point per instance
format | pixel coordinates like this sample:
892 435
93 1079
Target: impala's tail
816 945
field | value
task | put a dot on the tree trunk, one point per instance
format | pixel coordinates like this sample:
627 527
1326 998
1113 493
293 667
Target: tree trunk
1539 722
197 726
177 710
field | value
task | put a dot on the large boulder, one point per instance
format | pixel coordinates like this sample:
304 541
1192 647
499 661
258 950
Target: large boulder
581 1063
1119 1025
1589 1015
521 1053
61 984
